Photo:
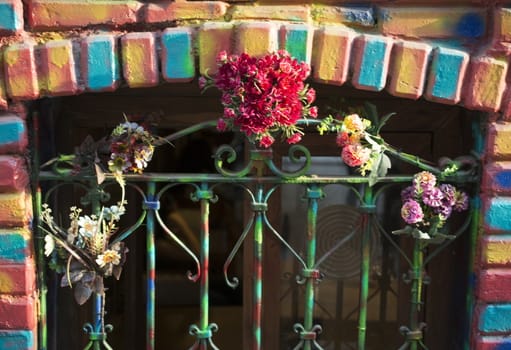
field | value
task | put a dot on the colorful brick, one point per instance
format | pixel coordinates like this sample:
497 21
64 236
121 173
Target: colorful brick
360 16
498 144
497 216
446 75
13 135
485 89
433 22
297 40
20 72
409 67
139 58
15 246
18 279
18 340
11 16
495 318
291 13
494 285
331 54
371 60
13 174
177 59
18 312
3 87
502 24
256 38
15 209
213 37
496 250
167 11
67 14
58 71
100 63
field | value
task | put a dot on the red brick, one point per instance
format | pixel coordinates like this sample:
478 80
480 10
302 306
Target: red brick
13 174
17 279
58 75
20 71
17 312
492 343
494 285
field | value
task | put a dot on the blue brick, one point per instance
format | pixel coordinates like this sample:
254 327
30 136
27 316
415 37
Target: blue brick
11 130
446 69
296 42
177 56
102 64
503 179
13 248
16 340
9 19
497 216
495 318
373 72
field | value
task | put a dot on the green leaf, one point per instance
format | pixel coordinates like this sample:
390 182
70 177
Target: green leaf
383 121
371 113
385 165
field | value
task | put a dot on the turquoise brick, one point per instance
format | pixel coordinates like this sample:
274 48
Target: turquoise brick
16 340
13 248
177 55
373 65
495 318
297 41
446 70
9 18
497 215
102 66
12 130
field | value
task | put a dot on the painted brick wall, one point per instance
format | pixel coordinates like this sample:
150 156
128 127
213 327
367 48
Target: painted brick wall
450 52
18 302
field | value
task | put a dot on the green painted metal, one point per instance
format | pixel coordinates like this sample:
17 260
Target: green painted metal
259 178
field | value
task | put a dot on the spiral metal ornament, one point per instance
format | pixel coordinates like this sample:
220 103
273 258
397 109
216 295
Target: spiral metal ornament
339 241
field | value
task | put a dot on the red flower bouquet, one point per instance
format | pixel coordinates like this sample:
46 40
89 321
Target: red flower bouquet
263 96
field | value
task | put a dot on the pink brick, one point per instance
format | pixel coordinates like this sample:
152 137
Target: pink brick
62 14
15 209
331 54
408 69
498 141
487 83
13 174
20 72
17 279
494 285
58 71
167 11
491 343
213 37
17 312
140 64
257 38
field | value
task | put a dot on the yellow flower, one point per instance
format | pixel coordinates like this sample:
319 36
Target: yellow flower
109 256
353 123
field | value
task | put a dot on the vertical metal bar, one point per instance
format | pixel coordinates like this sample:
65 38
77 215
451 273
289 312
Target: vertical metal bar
314 193
39 237
258 271
474 234
364 267
416 293
204 260
150 267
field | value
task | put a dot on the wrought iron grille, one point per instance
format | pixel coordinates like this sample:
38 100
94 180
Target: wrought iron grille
258 176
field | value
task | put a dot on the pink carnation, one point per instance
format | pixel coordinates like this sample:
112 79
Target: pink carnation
355 155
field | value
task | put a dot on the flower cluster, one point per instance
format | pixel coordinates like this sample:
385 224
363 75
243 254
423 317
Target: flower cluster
360 145
263 96
131 148
427 205
84 252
